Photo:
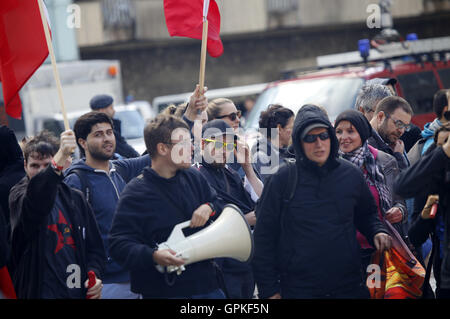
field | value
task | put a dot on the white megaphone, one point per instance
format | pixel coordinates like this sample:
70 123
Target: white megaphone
229 236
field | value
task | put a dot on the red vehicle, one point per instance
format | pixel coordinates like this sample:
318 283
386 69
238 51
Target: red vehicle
336 88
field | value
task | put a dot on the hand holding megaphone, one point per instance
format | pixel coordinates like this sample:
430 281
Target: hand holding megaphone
167 258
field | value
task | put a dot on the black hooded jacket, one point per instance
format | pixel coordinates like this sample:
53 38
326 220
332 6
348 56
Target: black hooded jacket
310 250
11 169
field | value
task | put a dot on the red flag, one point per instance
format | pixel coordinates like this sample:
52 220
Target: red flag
23 48
6 285
184 18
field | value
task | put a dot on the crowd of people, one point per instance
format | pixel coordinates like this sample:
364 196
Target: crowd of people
319 196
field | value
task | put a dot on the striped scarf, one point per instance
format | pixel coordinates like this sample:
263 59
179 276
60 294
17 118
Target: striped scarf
362 157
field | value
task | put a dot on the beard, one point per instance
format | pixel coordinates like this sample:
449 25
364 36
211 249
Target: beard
384 133
99 154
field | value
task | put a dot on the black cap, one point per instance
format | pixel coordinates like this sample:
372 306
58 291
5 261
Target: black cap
358 120
216 128
101 101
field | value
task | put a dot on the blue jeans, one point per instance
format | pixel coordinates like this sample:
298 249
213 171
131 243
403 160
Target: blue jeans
118 291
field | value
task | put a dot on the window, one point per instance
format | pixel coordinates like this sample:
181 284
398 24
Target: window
445 77
419 89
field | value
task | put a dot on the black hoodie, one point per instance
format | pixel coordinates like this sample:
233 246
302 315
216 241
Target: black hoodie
11 169
310 249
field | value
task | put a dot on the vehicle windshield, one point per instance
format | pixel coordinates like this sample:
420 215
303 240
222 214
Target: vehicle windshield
334 94
132 123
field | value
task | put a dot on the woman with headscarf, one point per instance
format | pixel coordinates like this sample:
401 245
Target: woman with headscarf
379 170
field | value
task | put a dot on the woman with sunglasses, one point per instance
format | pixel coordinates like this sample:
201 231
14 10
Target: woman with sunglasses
380 170
224 109
276 124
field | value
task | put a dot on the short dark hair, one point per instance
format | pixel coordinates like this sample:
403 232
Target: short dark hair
45 144
274 115
439 102
83 126
159 130
390 104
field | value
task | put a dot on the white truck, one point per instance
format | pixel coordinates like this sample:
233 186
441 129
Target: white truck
80 81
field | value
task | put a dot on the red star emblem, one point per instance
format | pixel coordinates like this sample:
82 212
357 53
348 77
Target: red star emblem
64 236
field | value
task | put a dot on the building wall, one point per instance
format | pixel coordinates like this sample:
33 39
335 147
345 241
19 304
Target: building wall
243 16
151 69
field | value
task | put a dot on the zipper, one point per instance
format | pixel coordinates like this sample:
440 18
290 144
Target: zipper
110 179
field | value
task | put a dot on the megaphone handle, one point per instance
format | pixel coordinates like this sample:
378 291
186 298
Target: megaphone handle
177 232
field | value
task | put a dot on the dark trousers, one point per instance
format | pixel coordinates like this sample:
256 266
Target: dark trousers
239 285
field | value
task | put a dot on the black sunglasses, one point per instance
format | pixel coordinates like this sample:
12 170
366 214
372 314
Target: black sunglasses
232 116
311 138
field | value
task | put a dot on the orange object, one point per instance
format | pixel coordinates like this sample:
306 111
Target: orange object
112 70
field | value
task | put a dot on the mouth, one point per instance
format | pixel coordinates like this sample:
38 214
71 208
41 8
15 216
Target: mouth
108 147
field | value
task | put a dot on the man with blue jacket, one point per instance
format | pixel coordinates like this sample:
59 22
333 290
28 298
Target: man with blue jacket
102 180
166 194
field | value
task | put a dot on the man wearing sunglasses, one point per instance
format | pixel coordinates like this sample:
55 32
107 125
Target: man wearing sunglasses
391 120
218 143
306 247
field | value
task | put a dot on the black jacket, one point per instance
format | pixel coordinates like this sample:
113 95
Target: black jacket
310 249
376 141
122 147
230 190
11 169
430 175
149 208
31 201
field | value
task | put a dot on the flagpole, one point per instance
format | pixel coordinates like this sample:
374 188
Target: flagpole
201 80
55 70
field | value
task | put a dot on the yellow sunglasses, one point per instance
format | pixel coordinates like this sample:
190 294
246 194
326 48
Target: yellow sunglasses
219 145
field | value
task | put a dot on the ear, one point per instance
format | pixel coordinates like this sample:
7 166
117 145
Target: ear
380 116
82 142
161 149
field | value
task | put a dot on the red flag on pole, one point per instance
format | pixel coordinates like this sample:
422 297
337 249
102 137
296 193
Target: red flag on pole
22 49
184 18
6 285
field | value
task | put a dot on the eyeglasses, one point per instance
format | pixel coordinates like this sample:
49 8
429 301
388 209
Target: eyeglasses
219 145
232 116
311 138
399 124
182 143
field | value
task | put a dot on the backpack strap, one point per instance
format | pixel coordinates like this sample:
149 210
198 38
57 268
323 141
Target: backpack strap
290 189
85 184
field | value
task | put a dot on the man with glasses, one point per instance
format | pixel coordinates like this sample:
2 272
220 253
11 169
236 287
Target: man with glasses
219 141
164 195
392 118
306 247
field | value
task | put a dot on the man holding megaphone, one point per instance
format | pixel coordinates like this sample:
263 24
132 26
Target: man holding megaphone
164 195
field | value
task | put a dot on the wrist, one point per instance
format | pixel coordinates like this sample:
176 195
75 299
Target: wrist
213 210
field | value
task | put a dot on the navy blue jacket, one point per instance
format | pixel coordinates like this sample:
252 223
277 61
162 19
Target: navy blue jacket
149 208
310 249
105 190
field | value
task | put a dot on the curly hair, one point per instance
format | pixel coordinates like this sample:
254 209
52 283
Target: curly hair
274 115
43 145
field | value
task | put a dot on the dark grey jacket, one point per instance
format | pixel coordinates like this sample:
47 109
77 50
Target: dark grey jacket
389 168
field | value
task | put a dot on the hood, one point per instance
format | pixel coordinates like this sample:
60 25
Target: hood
11 153
306 116
430 128
81 165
